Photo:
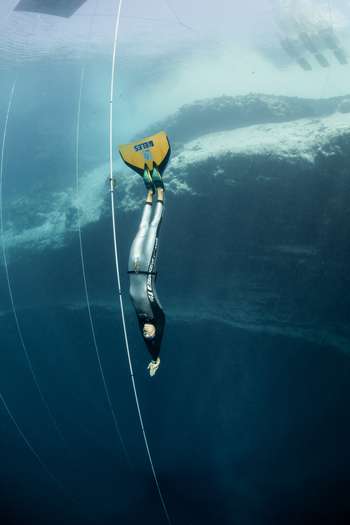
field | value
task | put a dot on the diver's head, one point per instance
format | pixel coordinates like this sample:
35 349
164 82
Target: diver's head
149 331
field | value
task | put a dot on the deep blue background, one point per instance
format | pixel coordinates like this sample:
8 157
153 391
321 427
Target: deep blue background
248 416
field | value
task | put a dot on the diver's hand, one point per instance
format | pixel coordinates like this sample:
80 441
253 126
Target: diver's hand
153 367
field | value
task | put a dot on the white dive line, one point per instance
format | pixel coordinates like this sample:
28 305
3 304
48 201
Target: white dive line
9 412
117 261
29 446
179 21
93 333
34 452
19 331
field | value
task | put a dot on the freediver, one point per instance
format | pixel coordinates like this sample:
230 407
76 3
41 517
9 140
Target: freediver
143 252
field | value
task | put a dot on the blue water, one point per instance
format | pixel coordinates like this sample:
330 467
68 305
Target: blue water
243 427
247 417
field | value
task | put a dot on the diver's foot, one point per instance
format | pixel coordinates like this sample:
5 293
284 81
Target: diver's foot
149 197
147 179
153 367
157 179
160 195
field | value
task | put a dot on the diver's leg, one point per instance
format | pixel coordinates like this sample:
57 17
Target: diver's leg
136 250
160 194
150 245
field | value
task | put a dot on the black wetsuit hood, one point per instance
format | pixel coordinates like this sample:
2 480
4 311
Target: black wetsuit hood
153 344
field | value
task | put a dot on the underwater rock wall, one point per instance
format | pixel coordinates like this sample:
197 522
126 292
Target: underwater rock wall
263 214
256 228
225 113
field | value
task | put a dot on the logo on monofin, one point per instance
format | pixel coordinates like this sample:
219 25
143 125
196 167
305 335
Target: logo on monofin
144 145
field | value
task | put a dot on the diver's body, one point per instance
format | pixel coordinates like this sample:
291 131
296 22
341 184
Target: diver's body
148 157
142 274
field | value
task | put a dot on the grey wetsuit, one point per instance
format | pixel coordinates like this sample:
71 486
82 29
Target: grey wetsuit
142 274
